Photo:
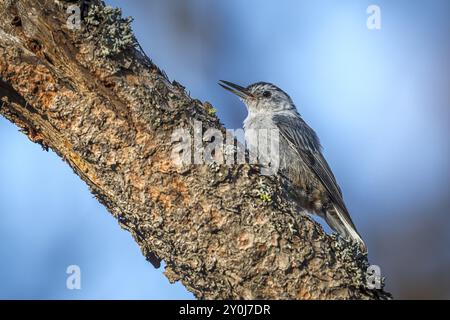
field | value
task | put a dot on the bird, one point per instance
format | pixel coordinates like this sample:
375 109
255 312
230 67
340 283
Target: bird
300 154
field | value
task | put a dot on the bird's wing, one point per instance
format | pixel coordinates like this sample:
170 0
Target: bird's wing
305 142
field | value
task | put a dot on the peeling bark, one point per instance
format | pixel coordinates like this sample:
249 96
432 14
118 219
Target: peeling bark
109 112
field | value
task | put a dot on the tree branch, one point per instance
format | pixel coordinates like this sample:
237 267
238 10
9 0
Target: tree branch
109 112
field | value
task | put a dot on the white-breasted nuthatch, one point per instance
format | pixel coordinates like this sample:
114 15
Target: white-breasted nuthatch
300 154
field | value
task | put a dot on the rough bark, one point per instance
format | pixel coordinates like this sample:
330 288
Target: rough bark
109 112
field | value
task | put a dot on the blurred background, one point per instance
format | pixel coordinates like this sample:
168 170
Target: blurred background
379 100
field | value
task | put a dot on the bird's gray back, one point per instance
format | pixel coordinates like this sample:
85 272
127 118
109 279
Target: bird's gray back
290 164
298 145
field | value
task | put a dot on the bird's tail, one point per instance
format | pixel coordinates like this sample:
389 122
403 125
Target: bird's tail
338 221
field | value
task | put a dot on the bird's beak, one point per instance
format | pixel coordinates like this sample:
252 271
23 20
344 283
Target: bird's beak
236 89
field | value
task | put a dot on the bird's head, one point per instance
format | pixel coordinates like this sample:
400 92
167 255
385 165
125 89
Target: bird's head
261 97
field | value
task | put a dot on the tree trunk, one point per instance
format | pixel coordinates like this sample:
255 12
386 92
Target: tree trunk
97 101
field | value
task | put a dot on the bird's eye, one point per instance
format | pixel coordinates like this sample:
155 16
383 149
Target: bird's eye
267 94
